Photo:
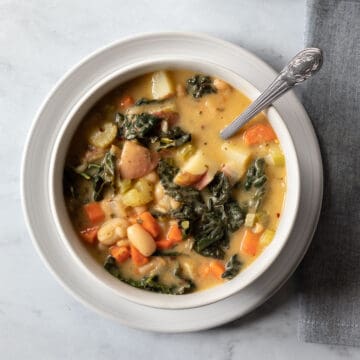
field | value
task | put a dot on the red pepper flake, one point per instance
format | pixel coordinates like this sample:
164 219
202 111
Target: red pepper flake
278 215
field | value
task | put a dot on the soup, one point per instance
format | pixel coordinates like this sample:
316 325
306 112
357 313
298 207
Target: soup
158 198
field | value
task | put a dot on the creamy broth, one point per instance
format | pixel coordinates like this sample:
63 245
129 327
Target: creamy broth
123 208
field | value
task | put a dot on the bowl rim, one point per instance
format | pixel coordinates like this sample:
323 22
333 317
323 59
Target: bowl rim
158 300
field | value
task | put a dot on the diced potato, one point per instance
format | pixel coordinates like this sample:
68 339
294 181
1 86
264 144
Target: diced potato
162 86
166 106
184 178
136 161
140 194
267 237
102 135
206 179
184 153
238 161
198 164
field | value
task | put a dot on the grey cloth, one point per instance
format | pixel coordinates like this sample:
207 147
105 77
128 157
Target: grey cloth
330 272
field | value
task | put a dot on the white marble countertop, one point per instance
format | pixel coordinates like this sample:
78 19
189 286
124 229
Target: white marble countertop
39 41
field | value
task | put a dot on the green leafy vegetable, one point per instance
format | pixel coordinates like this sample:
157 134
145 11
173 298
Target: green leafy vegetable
104 176
173 138
232 268
101 175
137 126
145 101
145 128
150 283
210 221
255 177
199 85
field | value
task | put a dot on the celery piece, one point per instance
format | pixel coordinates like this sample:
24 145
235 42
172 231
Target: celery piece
125 185
277 156
262 217
267 237
250 219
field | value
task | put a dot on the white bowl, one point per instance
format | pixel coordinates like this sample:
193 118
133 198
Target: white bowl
70 239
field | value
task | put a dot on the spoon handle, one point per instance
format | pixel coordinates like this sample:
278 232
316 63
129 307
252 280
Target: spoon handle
301 67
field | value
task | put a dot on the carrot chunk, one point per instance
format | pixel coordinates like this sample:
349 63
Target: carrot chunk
249 243
164 244
94 212
138 258
217 268
203 270
120 253
258 134
149 223
174 234
89 234
126 101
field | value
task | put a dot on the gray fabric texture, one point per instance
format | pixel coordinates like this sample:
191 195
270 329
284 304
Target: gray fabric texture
330 272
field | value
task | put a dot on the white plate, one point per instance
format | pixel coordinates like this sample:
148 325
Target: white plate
36 166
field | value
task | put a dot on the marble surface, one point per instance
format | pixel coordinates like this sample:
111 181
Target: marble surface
39 41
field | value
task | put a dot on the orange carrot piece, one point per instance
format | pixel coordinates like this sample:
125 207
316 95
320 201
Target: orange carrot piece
126 101
217 268
174 234
258 134
249 243
137 257
89 234
94 212
164 244
203 270
149 223
120 253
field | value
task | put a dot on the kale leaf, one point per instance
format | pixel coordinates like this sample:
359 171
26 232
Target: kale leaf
150 283
174 137
137 126
199 85
101 175
209 221
104 176
146 101
145 128
255 177
232 267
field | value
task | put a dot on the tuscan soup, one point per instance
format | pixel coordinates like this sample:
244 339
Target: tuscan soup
159 198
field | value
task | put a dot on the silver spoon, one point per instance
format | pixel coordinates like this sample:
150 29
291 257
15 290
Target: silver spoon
306 63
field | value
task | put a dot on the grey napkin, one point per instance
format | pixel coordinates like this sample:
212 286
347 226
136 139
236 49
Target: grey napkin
330 272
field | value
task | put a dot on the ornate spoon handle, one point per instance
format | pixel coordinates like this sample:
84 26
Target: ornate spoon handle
301 67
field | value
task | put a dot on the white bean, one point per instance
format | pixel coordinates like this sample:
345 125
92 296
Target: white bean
123 242
152 177
141 239
112 230
159 192
220 84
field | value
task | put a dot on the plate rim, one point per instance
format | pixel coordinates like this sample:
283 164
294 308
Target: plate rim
291 97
